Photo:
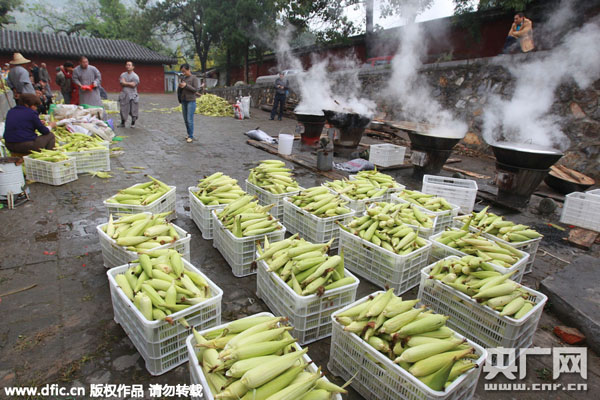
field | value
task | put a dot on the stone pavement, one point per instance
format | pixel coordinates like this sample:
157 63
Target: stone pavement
62 330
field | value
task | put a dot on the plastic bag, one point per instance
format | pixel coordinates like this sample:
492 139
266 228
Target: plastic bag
358 164
261 136
246 106
237 111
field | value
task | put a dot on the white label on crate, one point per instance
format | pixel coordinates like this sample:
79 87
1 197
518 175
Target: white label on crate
418 158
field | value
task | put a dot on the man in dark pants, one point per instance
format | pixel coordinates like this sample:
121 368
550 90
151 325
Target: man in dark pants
281 87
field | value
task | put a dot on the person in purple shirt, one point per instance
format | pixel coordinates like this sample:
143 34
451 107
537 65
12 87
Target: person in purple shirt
21 123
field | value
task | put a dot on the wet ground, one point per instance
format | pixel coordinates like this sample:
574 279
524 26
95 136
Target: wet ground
62 329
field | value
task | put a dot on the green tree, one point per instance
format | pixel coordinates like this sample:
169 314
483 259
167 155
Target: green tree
107 19
6 7
467 6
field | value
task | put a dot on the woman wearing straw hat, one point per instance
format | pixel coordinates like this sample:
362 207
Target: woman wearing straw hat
18 77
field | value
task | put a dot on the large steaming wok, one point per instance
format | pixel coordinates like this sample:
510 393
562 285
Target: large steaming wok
525 155
346 120
427 142
310 118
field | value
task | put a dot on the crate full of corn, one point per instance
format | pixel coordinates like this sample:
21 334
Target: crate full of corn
157 302
50 167
495 227
314 214
298 280
237 229
212 193
378 179
462 242
153 196
421 220
392 351
483 304
444 211
123 239
271 181
91 152
255 358
384 250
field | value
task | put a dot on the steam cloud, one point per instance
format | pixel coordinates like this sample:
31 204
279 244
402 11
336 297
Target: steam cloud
525 118
320 89
412 91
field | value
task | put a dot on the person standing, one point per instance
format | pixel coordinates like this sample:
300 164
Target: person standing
186 94
87 78
44 75
35 70
521 32
18 77
281 87
128 99
64 79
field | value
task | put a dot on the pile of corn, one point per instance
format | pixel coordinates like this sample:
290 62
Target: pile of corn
477 279
359 189
381 227
244 217
428 201
159 285
272 175
305 266
218 189
255 359
497 226
81 142
141 194
141 232
320 202
407 213
415 339
211 106
473 244
48 155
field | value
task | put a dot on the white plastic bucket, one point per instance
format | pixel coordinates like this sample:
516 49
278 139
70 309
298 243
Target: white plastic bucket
285 144
11 178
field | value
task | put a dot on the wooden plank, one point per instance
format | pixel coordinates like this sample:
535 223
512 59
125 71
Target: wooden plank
582 238
465 172
269 148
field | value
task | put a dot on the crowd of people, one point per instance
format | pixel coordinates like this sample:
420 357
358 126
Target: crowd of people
78 85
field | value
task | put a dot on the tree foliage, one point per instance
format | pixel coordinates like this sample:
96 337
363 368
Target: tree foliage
467 6
107 19
7 6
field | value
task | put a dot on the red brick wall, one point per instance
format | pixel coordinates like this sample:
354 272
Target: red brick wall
151 75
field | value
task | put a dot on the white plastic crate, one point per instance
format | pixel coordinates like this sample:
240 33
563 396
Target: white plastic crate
197 375
115 255
110 105
380 266
309 315
477 322
583 210
92 160
312 228
165 203
386 155
460 192
266 198
376 377
51 173
201 214
240 253
161 344
444 218
439 251
595 192
388 195
529 246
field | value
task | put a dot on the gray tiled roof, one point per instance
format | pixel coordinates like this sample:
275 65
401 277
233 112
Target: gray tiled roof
52 44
